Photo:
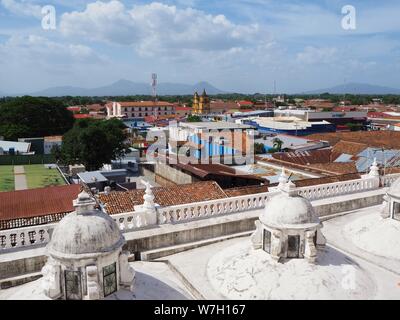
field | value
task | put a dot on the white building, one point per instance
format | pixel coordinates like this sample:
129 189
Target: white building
139 109
50 142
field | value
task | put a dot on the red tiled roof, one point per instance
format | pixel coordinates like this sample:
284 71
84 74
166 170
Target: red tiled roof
223 105
324 180
245 103
242 191
146 104
74 108
32 203
377 139
336 167
348 147
307 157
382 115
119 202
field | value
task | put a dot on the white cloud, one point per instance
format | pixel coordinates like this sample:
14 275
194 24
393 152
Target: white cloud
313 55
22 8
157 28
38 50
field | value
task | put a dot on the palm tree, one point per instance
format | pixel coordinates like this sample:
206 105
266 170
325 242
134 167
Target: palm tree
277 144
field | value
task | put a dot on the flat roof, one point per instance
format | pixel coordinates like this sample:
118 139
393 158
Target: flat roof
214 125
91 177
18 146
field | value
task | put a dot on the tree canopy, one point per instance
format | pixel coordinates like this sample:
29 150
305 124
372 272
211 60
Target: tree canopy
94 143
193 118
30 117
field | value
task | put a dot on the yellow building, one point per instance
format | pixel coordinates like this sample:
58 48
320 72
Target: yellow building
201 104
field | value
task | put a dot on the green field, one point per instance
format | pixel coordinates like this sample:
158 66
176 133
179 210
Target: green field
6 178
38 176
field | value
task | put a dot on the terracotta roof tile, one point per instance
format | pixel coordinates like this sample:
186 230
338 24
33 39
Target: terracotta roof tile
348 147
307 157
324 180
42 205
242 191
377 139
336 167
119 202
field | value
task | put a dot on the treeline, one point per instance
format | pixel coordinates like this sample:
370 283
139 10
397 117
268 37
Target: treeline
188 99
31 117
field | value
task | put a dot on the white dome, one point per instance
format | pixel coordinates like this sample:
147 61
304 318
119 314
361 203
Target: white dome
88 233
394 189
285 210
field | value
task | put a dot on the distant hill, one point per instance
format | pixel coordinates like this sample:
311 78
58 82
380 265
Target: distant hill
126 87
357 88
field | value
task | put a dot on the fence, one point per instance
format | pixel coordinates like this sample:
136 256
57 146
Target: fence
28 159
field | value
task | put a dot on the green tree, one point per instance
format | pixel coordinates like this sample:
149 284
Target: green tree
193 118
277 144
94 143
27 117
259 148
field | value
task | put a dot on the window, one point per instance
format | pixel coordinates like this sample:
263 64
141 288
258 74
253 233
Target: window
267 241
109 279
73 290
396 211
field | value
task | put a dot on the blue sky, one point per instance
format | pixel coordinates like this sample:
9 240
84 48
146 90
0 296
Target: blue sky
237 45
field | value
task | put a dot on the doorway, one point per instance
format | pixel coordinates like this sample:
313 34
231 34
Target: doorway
293 247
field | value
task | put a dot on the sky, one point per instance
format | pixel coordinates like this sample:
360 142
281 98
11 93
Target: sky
236 45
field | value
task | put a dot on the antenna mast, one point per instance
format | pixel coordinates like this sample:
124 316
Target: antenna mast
154 85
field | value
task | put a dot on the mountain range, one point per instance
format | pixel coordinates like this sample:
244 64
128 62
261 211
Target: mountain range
357 88
126 87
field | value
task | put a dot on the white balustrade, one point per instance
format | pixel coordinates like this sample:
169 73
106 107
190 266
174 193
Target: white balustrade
387 180
212 208
131 221
338 188
25 237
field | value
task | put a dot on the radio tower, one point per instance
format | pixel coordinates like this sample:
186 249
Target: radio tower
154 85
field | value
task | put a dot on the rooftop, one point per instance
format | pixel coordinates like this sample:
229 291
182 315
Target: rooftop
378 139
119 202
307 157
214 125
145 104
17 146
51 203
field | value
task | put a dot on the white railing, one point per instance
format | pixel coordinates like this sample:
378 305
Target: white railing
206 209
323 191
131 221
387 180
25 237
